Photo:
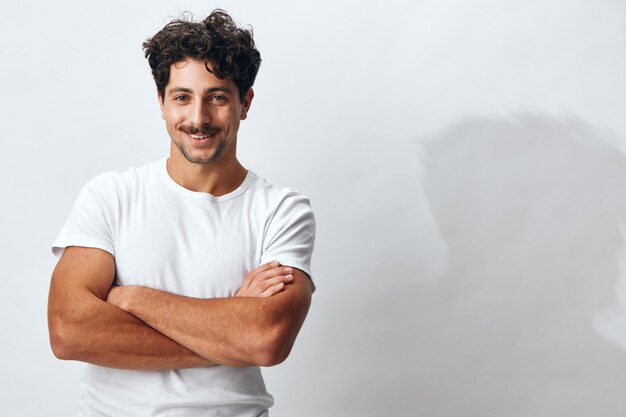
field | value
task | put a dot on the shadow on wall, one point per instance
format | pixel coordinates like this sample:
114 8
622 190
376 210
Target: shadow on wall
478 293
530 210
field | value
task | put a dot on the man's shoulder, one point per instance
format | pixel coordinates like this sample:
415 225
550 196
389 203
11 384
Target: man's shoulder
276 196
119 181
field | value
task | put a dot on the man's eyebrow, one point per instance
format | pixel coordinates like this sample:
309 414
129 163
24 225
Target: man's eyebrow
216 89
207 91
179 90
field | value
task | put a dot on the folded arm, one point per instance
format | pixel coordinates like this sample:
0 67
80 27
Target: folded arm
84 326
238 331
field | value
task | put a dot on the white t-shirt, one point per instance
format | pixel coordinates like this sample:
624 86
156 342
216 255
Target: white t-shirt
165 236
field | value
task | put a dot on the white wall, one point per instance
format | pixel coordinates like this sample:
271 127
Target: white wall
466 164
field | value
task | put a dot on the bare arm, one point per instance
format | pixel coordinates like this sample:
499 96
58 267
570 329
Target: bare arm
84 327
238 331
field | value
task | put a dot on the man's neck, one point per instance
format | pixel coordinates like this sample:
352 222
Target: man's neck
216 179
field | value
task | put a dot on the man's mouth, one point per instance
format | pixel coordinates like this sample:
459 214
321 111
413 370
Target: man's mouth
199 137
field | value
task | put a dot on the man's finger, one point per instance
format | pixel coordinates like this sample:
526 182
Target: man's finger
250 276
273 290
268 283
274 272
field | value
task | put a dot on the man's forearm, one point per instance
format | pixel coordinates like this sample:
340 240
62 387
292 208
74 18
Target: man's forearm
229 331
100 333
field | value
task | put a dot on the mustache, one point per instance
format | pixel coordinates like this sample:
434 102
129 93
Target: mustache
199 130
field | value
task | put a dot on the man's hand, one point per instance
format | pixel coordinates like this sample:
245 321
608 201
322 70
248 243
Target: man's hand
266 280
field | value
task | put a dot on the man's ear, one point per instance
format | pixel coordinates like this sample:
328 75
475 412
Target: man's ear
245 104
160 99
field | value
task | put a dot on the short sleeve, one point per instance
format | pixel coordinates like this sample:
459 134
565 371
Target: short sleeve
89 222
290 237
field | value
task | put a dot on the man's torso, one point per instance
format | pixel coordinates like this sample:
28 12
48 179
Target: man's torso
166 237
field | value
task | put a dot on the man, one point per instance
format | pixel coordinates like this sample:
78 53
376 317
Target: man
177 280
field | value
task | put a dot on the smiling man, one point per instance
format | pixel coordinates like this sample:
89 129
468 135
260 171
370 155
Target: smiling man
178 280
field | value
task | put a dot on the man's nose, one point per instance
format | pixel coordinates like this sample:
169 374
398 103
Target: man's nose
201 113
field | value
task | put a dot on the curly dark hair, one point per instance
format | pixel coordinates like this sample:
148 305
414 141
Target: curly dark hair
227 50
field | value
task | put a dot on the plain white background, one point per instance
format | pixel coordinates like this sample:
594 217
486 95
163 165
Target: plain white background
465 160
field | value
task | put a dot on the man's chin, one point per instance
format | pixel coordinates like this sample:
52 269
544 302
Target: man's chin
202 156
201 160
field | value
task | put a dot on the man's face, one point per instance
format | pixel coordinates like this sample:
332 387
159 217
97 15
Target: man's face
202 113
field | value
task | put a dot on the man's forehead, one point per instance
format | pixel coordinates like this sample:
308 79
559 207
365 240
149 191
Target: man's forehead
186 61
194 76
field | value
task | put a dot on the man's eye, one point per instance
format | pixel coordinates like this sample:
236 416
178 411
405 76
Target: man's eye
180 98
218 98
